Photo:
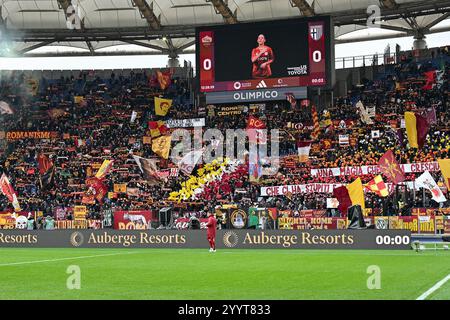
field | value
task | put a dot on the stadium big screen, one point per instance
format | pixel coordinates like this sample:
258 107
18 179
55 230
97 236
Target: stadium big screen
275 54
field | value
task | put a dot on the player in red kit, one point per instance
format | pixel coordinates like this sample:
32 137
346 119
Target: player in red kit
211 225
262 57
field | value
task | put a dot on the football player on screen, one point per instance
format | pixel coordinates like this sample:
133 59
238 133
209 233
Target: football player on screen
262 57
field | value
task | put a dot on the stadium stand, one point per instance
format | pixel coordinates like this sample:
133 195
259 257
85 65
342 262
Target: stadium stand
89 119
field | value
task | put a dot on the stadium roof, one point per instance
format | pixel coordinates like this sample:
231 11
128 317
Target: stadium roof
34 27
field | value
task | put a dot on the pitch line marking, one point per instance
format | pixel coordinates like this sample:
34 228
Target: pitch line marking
434 288
63 259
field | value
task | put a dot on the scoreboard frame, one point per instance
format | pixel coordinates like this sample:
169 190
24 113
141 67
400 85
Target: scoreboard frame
323 79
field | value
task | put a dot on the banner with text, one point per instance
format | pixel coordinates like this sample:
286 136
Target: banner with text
185 123
358 171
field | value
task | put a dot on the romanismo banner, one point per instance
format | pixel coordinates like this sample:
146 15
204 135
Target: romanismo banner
235 239
22 135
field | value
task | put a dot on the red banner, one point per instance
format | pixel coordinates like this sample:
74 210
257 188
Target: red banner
132 220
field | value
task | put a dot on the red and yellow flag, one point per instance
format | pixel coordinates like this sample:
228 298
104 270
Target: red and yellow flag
157 128
377 186
104 169
164 78
315 116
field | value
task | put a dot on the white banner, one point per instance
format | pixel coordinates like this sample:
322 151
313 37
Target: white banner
314 188
185 123
358 171
299 188
133 116
343 139
189 161
426 181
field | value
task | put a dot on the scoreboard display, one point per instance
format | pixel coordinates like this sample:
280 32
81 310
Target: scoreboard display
263 55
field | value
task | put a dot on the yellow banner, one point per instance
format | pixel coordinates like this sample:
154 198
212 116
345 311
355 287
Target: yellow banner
120 187
162 106
79 212
161 146
104 169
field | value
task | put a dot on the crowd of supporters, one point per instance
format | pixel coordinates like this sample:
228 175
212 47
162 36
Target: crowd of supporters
91 118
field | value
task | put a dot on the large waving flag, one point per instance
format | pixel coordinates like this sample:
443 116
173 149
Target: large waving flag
164 79
341 194
189 161
433 78
416 129
162 106
389 166
97 188
7 189
150 170
377 185
426 181
356 193
104 169
444 164
350 195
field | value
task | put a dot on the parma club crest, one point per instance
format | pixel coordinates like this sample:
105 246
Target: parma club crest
316 32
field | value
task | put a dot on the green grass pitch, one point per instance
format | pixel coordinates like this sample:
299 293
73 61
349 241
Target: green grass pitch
226 274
